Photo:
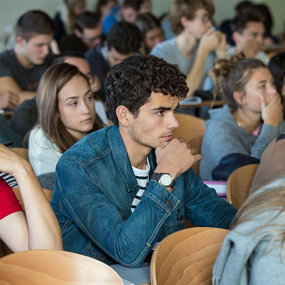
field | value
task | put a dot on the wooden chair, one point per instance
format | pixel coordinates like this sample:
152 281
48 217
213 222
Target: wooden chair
196 143
54 267
17 192
239 183
23 152
189 127
187 257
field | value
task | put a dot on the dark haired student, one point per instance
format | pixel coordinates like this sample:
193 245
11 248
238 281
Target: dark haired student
121 189
22 67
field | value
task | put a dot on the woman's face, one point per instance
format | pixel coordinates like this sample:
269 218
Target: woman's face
79 7
259 85
152 38
77 107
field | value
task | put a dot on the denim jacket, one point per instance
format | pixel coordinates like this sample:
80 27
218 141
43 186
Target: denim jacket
93 194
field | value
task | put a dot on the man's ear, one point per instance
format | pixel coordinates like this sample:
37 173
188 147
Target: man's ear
20 41
122 113
239 97
236 37
184 21
77 33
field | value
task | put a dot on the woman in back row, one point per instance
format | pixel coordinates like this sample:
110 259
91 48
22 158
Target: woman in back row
251 117
66 109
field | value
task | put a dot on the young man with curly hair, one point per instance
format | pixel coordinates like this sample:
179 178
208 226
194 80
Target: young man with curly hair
121 189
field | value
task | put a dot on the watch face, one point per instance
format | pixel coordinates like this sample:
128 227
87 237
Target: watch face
165 179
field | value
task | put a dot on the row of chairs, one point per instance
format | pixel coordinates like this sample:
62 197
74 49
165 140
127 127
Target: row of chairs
185 257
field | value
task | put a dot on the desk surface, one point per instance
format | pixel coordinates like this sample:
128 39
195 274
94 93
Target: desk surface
216 103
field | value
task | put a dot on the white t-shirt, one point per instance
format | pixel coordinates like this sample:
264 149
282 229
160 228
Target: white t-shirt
43 154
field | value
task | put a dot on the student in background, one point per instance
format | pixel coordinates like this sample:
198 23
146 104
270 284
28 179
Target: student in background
196 43
253 251
66 111
251 117
277 68
248 34
25 116
127 13
37 228
65 17
22 67
87 33
104 7
151 32
123 40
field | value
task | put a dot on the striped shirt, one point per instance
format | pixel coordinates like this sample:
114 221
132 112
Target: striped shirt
142 176
10 180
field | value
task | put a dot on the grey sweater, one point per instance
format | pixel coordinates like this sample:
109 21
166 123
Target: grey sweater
223 136
242 259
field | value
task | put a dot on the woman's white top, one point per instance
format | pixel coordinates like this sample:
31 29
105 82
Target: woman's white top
43 154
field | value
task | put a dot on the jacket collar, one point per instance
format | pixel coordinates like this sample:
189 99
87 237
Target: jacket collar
122 159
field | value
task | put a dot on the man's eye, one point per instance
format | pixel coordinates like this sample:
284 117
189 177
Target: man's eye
160 113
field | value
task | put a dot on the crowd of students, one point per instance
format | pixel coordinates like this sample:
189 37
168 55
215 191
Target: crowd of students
117 190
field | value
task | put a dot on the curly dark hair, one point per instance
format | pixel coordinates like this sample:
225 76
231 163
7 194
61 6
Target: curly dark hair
131 82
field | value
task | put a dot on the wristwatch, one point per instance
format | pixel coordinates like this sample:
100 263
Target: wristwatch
164 179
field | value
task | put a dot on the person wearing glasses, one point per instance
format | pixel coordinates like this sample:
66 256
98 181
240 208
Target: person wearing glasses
87 33
193 47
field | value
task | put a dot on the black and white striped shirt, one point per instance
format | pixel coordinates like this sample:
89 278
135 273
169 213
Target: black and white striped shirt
142 176
10 180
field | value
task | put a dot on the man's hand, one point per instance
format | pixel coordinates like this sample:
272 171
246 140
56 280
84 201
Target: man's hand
221 48
175 158
9 100
212 40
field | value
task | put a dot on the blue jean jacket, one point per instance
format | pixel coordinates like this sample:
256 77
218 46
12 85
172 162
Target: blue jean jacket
94 189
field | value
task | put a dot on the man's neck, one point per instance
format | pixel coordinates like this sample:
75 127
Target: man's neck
186 43
22 59
137 153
